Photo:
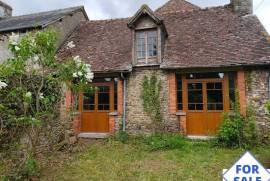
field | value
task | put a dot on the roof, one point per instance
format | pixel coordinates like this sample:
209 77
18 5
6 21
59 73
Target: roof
5 5
173 6
142 11
105 44
37 20
213 37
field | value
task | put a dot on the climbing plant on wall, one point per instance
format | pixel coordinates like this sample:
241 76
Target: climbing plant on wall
151 97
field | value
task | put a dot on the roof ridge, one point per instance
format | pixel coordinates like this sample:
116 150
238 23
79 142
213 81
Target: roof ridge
6 5
194 11
74 8
167 4
112 19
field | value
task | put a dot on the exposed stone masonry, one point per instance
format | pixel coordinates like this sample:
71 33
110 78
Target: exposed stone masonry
257 92
138 121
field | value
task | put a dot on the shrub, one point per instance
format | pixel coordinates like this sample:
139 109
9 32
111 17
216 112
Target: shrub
162 141
230 131
31 86
237 130
122 136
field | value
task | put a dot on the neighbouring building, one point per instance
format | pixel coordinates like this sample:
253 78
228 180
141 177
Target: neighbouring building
64 21
201 56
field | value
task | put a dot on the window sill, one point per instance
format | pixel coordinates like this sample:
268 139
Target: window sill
113 114
146 65
180 113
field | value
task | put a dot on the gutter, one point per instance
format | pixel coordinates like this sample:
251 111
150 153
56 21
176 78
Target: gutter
124 102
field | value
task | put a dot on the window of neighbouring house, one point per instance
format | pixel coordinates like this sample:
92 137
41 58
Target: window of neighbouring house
179 92
146 44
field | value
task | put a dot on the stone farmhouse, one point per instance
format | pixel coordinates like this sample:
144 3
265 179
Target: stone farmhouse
201 56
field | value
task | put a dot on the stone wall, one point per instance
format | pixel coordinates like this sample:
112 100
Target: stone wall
5 10
67 25
242 7
257 92
138 122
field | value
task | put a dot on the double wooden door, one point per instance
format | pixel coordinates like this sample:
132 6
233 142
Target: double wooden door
206 100
95 107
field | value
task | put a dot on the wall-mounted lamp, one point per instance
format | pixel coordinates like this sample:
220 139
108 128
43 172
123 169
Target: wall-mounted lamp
107 79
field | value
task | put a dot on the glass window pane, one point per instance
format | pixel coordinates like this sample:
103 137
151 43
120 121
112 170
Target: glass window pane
232 77
152 43
195 96
88 101
179 93
104 98
140 42
214 96
115 96
212 75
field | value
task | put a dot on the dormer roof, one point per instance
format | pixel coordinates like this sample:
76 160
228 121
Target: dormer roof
144 10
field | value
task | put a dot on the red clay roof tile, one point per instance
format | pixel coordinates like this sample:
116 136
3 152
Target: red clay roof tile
214 37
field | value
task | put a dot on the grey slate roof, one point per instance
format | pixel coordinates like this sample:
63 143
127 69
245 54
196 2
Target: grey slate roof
37 20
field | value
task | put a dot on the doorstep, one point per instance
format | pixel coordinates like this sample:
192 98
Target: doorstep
193 137
94 135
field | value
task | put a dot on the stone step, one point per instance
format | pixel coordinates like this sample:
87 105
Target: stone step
94 135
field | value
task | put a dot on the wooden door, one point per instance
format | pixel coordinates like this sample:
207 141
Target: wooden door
95 107
206 101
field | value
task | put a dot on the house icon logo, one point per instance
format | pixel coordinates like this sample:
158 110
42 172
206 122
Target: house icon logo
247 168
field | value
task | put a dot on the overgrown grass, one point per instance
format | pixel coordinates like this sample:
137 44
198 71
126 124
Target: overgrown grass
114 160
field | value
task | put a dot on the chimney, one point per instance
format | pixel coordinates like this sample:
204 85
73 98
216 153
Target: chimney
5 10
242 7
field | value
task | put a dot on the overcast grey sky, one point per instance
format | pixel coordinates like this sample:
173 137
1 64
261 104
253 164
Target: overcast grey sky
104 9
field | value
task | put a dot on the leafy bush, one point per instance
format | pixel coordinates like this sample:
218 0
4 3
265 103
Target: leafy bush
122 136
230 131
250 131
31 89
31 168
162 141
237 130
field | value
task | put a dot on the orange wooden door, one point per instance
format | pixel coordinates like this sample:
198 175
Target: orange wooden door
206 102
95 108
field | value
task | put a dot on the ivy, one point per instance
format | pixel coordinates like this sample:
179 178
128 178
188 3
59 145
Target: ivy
151 97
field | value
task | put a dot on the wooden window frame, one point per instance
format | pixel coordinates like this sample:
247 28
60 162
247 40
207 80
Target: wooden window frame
111 101
185 82
145 32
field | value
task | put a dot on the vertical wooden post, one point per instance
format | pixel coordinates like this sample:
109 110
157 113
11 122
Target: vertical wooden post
172 93
120 96
241 85
68 99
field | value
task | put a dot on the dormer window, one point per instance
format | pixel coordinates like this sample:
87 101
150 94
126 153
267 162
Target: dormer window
148 35
146 42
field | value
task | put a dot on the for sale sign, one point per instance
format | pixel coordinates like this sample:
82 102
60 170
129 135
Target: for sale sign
247 168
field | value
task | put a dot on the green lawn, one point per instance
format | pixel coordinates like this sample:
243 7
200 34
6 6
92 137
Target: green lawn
112 160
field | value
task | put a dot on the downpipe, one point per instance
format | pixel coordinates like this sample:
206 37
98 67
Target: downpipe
124 102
